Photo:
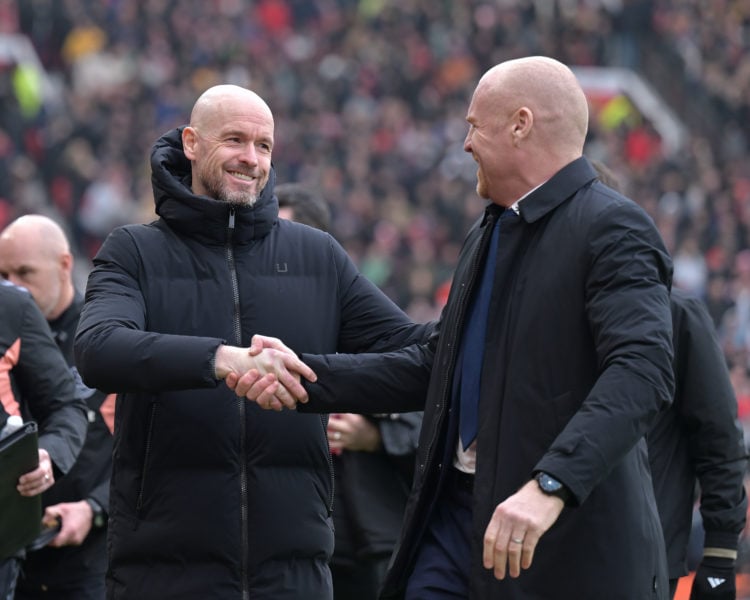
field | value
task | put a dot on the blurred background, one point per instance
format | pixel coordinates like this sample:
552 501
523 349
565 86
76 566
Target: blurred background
370 98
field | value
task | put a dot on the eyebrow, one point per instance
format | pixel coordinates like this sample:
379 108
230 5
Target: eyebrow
243 134
232 132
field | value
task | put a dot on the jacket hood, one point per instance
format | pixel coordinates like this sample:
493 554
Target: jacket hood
199 216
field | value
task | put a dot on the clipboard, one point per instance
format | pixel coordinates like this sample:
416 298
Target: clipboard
21 516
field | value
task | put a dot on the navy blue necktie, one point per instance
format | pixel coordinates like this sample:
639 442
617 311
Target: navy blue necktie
472 349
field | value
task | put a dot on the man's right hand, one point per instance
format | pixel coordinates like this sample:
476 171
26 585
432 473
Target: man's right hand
268 373
76 518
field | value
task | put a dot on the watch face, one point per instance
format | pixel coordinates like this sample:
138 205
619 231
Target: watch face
97 520
548 484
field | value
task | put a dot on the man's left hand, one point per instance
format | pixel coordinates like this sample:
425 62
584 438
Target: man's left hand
714 580
40 479
352 432
516 527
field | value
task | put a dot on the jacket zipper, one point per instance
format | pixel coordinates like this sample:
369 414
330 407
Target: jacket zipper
242 408
323 419
146 456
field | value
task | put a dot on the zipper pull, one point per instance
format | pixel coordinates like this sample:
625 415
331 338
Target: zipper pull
231 218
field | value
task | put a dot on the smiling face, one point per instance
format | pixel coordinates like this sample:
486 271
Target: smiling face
229 143
527 119
488 141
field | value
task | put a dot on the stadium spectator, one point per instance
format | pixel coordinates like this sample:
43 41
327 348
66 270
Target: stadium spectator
35 254
36 384
699 440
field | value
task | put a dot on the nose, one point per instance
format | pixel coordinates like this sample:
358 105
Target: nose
249 154
467 142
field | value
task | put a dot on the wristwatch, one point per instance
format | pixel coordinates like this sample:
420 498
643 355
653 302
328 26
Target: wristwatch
552 487
98 520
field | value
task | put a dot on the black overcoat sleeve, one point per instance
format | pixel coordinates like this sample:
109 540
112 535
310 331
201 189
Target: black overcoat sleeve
707 407
371 383
48 390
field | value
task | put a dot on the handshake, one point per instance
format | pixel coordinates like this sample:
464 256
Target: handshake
268 372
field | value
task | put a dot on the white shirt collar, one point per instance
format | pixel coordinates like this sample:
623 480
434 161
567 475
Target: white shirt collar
514 206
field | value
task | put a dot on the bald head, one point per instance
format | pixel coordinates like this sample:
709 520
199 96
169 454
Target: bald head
551 92
527 120
229 143
221 101
35 254
41 234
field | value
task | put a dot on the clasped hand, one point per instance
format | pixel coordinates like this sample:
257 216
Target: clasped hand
40 479
268 372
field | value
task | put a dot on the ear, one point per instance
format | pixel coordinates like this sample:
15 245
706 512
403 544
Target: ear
66 262
189 140
522 121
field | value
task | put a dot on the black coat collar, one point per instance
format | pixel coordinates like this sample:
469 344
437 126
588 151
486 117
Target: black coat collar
557 189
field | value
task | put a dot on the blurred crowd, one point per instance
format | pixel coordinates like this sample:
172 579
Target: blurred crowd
370 99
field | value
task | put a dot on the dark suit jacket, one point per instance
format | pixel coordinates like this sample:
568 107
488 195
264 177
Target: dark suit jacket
577 365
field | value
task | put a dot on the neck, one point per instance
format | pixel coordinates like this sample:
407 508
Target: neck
66 299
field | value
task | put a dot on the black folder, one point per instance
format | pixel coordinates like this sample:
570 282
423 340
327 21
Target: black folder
20 516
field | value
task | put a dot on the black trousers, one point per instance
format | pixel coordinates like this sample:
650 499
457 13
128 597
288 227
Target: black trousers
361 581
443 563
91 588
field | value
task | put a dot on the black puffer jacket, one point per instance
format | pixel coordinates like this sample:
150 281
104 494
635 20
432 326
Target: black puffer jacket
212 497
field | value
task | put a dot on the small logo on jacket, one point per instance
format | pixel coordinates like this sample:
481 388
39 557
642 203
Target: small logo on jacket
281 268
715 581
